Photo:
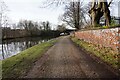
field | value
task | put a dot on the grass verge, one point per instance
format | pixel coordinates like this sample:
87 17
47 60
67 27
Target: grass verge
18 65
106 54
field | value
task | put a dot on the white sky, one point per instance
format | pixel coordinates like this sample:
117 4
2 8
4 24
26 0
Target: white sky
30 10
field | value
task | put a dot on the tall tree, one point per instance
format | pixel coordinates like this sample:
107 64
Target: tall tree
3 10
72 11
98 9
73 14
46 25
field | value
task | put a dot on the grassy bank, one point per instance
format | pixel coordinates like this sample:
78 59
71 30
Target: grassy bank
20 64
106 54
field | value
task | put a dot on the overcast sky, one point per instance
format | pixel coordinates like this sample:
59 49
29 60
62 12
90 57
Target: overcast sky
30 10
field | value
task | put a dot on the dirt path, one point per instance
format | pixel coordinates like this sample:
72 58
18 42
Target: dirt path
65 60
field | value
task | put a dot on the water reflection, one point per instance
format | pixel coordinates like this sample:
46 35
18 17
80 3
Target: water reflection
12 47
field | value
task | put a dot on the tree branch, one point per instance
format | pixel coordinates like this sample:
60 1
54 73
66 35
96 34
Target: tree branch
110 3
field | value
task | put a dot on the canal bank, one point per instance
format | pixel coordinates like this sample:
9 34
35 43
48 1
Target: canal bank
12 47
18 65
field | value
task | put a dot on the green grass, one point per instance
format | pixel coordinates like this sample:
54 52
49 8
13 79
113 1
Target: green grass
20 64
106 54
0 70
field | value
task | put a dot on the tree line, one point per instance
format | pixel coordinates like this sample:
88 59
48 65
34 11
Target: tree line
29 28
77 14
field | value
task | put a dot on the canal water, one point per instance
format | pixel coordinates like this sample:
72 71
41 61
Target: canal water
12 47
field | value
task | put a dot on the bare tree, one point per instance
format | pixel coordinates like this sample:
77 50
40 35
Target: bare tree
3 10
86 9
32 28
46 25
53 3
98 9
73 14
61 27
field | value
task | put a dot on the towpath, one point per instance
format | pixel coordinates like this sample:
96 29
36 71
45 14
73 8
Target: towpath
65 60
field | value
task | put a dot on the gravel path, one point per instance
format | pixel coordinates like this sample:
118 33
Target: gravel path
65 60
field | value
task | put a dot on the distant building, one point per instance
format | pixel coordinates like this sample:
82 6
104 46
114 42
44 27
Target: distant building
116 19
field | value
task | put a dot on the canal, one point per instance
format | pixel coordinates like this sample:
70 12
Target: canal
12 47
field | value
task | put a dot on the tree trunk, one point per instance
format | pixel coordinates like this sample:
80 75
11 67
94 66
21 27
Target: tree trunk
97 12
74 15
107 14
78 14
